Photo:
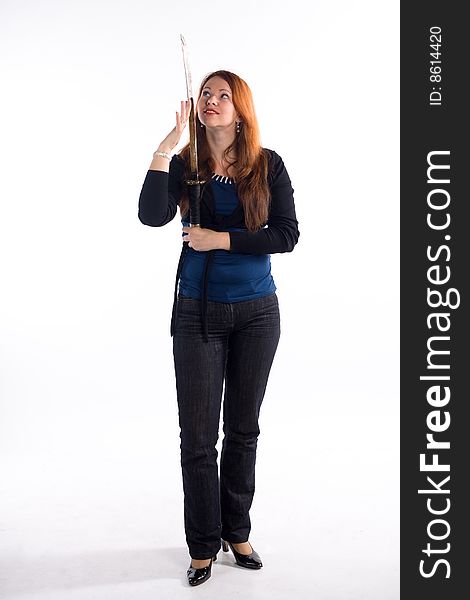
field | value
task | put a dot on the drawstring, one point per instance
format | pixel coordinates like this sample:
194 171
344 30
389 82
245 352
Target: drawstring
209 256
174 312
184 250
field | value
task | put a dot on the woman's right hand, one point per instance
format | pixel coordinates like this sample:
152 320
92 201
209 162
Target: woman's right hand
173 138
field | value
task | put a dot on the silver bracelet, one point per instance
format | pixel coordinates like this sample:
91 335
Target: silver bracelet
164 154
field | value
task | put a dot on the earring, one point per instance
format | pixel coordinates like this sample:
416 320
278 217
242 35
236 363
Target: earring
238 127
202 125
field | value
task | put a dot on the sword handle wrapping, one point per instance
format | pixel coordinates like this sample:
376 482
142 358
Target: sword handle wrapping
194 193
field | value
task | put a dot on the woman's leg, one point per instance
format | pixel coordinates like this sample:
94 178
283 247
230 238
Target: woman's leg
199 369
251 350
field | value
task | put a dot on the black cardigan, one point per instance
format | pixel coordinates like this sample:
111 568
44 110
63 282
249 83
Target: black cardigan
160 197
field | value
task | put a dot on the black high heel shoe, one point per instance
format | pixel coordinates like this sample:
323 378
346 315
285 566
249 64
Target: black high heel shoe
198 576
250 561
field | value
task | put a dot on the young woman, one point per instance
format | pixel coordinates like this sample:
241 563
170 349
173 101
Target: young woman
225 322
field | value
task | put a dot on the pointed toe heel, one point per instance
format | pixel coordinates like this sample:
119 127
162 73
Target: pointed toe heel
249 561
198 576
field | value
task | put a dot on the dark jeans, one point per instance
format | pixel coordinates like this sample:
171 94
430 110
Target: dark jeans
243 339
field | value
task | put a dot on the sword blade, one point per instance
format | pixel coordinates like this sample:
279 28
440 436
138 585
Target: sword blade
192 114
187 70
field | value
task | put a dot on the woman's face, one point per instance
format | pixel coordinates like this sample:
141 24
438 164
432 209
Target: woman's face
215 107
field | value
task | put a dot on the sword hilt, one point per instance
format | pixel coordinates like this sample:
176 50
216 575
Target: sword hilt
194 193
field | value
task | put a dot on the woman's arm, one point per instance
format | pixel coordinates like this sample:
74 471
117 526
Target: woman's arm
161 191
160 194
281 233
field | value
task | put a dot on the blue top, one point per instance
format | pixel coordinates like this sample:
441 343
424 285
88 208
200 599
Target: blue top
233 276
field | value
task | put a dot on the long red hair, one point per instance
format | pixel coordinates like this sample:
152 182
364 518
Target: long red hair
250 168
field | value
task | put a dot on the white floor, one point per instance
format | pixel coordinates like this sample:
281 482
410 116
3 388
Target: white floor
104 518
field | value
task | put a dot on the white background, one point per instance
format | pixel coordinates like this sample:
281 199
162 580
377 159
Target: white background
91 491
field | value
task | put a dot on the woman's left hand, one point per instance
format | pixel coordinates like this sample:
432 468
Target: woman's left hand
202 239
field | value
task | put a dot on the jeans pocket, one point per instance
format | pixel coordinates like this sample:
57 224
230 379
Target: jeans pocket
188 317
188 305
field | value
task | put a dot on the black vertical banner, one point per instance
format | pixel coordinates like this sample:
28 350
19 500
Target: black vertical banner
435 316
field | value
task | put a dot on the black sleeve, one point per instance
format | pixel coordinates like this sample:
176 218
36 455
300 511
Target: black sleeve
160 194
281 233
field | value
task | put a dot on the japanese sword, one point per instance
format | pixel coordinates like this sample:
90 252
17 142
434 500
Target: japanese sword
194 184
